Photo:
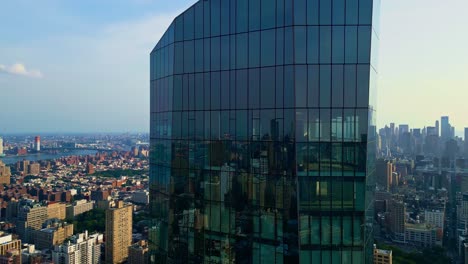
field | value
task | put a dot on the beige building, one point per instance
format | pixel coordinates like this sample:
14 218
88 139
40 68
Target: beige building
138 253
118 232
48 237
382 256
5 173
30 217
34 168
56 210
79 207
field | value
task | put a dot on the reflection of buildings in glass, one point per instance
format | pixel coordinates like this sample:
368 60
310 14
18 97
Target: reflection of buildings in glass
262 133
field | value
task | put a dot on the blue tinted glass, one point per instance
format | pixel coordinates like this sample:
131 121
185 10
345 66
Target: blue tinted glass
288 45
189 21
232 52
352 12
289 97
268 47
242 15
288 13
364 44
206 54
338 44
199 55
225 52
325 12
179 58
254 49
215 54
225 93
179 28
268 14
242 50
325 85
300 43
199 20
313 45
325 44
254 15
241 89
362 94
224 17
207 90
279 87
233 20
215 17
279 13
350 86
351 42
177 103
215 90
199 91
189 58
300 12
365 12
279 46
313 86
206 19
337 85
267 87
338 13
313 12
254 88
301 86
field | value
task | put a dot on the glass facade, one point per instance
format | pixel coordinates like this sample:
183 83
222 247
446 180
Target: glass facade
263 133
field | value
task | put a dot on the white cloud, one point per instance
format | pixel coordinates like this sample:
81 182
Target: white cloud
20 69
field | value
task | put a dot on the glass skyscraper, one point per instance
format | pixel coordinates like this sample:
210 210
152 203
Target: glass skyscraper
263 133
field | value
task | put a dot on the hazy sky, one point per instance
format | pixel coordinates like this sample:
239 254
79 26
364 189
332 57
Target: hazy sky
82 66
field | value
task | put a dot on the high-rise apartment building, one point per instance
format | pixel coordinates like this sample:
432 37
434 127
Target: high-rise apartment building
56 210
80 249
30 217
397 212
5 174
79 207
263 133
384 171
1 147
466 142
118 232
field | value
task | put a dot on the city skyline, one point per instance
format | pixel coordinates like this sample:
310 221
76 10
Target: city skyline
58 40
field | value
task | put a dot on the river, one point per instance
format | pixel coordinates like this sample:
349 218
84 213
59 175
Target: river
9 160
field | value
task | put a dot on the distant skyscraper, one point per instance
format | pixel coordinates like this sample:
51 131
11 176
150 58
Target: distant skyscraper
118 232
37 143
1 147
437 127
445 128
263 134
466 142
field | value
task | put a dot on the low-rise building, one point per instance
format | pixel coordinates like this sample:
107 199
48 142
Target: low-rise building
421 235
138 253
79 207
382 256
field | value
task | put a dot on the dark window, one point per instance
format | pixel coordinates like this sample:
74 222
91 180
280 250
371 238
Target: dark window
242 15
254 88
268 47
215 17
325 85
254 49
300 12
313 45
268 14
242 50
254 15
267 92
325 44
301 86
300 43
